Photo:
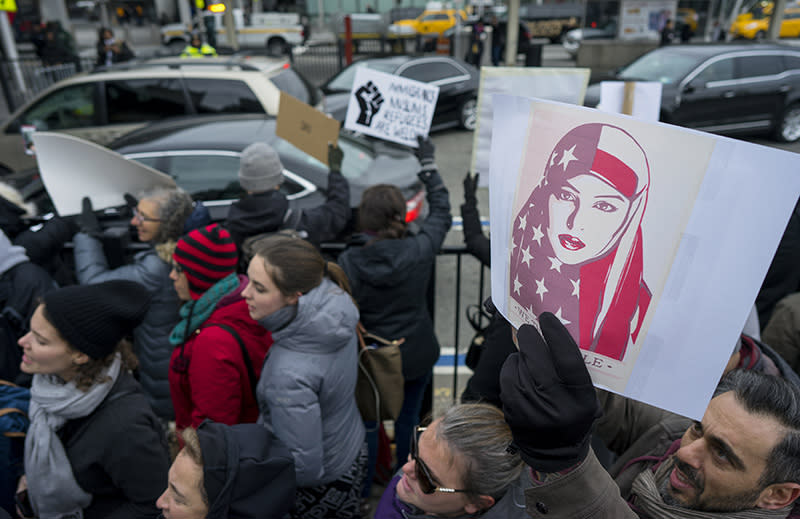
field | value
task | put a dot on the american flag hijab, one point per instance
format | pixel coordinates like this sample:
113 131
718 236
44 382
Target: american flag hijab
577 241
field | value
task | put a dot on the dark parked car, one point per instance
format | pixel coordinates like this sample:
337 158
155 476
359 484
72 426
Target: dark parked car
727 89
202 155
457 81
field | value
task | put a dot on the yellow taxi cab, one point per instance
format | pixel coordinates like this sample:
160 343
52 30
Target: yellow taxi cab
430 22
754 24
687 16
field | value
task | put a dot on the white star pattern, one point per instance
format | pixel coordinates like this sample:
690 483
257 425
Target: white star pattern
526 256
517 285
576 286
567 157
541 290
538 234
513 245
560 318
523 222
555 264
552 159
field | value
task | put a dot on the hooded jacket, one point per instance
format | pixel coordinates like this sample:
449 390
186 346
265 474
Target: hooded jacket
216 384
267 212
389 280
151 338
306 391
247 472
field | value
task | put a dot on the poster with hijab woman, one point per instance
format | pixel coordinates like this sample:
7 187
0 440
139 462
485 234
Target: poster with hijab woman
597 213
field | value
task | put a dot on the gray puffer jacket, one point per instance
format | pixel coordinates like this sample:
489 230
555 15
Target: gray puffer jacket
306 390
151 338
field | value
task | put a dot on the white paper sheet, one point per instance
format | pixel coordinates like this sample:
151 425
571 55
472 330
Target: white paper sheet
567 85
646 99
72 168
698 195
390 107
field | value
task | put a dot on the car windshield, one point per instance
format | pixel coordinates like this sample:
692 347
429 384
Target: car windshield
344 81
665 67
288 81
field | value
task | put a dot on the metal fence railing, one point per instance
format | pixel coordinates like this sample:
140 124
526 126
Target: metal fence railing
23 78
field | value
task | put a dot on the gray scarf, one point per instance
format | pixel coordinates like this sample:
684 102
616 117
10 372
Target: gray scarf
649 500
52 488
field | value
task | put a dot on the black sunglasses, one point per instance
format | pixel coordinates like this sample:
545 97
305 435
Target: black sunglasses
177 266
422 471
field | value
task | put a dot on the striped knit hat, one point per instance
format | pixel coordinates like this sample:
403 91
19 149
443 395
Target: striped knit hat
206 255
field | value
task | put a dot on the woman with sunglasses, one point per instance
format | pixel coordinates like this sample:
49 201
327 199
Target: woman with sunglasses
459 466
219 349
158 218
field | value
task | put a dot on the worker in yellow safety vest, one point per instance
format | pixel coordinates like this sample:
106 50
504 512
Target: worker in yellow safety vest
198 49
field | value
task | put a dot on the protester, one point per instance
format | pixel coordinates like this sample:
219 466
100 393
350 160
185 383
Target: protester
667 33
197 48
740 461
389 271
110 50
22 283
222 472
498 41
159 218
783 330
459 466
218 347
306 391
264 209
94 448
783 276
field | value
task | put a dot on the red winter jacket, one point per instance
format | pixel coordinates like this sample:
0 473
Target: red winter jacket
216 383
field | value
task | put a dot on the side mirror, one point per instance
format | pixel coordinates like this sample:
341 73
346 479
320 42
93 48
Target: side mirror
691 87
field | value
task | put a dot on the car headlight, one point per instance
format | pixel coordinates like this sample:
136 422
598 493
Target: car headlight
751 25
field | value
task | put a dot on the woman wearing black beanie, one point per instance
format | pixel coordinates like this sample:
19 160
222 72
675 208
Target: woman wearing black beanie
94 447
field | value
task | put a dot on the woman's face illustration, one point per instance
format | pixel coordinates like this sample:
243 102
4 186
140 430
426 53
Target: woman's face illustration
585 213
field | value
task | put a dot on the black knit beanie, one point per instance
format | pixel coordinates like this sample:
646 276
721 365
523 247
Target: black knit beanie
94 318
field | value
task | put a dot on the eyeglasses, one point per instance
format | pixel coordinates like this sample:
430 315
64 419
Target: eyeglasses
178 267
422 472
141 218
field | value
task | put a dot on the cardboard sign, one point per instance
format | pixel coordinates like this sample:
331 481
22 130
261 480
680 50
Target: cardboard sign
307 128
641 99
72 168
567 85
390 107
630 232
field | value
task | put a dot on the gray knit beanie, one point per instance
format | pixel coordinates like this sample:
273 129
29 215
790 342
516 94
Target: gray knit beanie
260 168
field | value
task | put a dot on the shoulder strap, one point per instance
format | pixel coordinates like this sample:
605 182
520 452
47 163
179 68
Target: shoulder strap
251 374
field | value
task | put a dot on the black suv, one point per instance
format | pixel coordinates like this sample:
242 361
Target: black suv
727 89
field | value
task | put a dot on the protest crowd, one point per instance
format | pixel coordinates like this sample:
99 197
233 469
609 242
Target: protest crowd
215 376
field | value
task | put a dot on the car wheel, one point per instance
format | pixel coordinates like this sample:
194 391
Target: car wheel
276 47
176 46
788 129
760 35
469 114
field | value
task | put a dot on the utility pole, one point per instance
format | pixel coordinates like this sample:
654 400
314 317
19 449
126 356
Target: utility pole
512 33
776 20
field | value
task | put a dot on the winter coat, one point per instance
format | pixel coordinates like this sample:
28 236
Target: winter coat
477 243
510 506
151 338
783 276
783 330
389 280
306 391
125 53
267 212
118 453
216 384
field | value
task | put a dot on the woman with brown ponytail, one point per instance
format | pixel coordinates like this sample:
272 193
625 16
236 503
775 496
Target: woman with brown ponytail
305 393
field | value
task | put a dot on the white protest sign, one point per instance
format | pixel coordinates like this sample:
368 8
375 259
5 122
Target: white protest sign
72 168
631 233
567 85
390 107
646 99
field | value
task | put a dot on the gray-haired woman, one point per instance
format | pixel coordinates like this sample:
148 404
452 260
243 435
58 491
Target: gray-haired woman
459 466
159 218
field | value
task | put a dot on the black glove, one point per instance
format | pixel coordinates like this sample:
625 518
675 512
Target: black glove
87 220
548 398
425 151
335 157
470 185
